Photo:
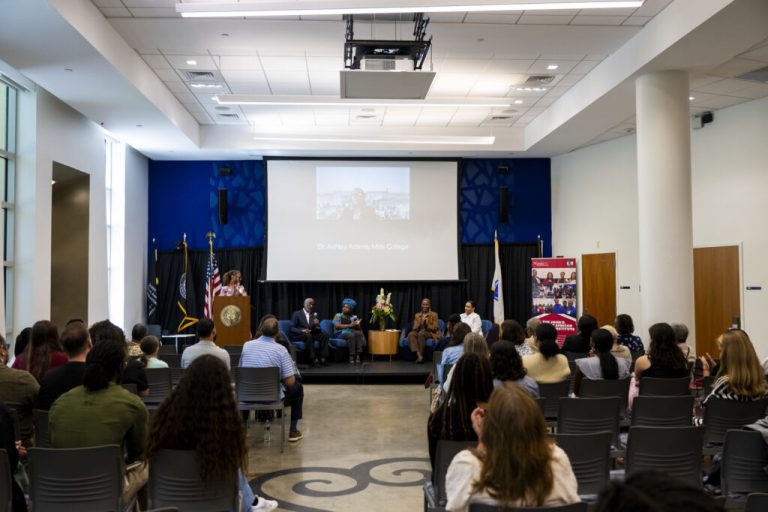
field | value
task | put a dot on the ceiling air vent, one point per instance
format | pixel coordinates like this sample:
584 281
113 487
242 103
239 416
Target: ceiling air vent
229 116
539 79
758 75
194 75
499 120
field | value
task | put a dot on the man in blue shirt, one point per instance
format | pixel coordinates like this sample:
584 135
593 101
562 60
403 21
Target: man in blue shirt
265 352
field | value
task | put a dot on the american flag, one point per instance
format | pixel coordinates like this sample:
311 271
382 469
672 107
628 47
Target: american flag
212 285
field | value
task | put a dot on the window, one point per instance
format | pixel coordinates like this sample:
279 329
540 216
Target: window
7 161
115 195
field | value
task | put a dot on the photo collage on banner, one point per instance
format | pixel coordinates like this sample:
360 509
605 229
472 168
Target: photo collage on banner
553 283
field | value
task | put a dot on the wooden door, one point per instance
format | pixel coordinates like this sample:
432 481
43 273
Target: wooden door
716 293
598 276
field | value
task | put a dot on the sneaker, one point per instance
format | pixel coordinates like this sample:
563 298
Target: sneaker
294 436
263 505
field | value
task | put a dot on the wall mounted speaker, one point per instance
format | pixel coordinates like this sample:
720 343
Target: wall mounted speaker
503 205
222 206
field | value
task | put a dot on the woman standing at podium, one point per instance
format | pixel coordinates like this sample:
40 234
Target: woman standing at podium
232 285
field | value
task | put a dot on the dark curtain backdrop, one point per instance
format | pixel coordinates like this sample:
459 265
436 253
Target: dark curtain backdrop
282 298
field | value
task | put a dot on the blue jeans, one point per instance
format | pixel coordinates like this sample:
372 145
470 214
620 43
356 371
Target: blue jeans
245 491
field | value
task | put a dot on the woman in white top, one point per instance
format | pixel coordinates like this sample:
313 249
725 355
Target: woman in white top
150 346
603 364
233 286
515 464
471 318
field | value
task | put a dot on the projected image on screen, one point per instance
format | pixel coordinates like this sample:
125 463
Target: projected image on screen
363 193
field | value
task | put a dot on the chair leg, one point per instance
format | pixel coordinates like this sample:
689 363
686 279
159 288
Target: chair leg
282 431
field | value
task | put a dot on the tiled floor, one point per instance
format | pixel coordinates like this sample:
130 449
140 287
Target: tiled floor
364 449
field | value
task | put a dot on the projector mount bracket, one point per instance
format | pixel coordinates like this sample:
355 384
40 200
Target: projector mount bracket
416 50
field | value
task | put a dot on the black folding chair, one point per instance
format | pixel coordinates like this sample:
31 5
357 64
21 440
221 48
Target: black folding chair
40 424
743 465
721 415
662 411
259 389
573 507
590 415
655 386
675 451
434 488
6 492
159 380
551 394
590 459
173 360
601 388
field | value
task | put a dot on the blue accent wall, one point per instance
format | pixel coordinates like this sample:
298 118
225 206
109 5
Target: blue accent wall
183 198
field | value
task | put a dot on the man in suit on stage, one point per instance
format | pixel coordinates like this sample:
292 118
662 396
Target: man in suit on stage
424 326
305 326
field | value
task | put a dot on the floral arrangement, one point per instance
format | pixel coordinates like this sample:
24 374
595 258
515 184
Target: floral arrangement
382 310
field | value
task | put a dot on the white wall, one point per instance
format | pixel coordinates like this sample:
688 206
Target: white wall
594 205
136 233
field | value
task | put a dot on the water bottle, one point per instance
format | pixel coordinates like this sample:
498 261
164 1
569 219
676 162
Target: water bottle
267 434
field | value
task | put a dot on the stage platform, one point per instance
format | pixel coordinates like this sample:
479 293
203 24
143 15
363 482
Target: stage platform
381 371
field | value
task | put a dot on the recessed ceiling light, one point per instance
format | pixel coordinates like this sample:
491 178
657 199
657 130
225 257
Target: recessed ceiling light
532 89
221 108
224 35
552 67
206 86
518 102
191 62
68 70
691 98
241 9
486 141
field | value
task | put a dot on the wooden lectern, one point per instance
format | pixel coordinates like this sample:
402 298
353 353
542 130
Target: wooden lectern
232 318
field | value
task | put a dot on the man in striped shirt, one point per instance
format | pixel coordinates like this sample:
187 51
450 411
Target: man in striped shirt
264 352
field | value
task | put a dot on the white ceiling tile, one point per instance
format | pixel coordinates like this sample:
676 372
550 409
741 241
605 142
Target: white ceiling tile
498 18
288 82
652 7
284 63
259 87
461 66
325 83
115 12
325 17
331 117
737 66
562 56
558 90
185 97
194 108
365 120
325 63
156 61
206 98
149 3
724 86
203 118
760 54
204 62
715 102
297 118
582 19
176 87
168 75
754 91
637 21
553 12
538 19
469 117
446 17
165 12
239 62
452 84
435 116
107 3
508 66
563 66
570 79
584 67
495 85
546 101
262 120
699 80
243 75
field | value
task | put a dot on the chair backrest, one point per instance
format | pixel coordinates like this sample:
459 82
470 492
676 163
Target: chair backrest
16 426
234 349
5 482
744 458
446 451
82 479
40 424
131 388
662 411
155 330
720 415
327 327
676 451
605 387
573 507
589 415
707 383
159 380
174 480
756 502
285 328
552 393
486 326
167 349
173 360
655 386
492 336
176 374
183 348
590 459
258 384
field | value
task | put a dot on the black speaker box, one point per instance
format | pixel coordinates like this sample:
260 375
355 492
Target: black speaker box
222 206
503 205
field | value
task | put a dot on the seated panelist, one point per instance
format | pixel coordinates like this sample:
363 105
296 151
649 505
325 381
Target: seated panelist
305 326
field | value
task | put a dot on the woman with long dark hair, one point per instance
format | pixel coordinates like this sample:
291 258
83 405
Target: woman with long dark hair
43 351
548 365
507 366
200 414
664 358
626 328
603 364
579 342
513 332
515 463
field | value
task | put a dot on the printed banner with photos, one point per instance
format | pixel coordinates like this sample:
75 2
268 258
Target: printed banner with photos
553 293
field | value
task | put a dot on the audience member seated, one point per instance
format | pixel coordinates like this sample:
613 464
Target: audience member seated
206 346
347 327
43 351
138 333
664 358
264 352
76 343
424 326
200 414
101 412
454 350
530 332
548 365
22 340
472 387
515 463
150 346
655 491
626 327
8 443
740 376
681 337
133 372
4 356
473 344
471 318
579 342
280 340
453 321
508 368
18 389
618 350
305 327
513 332
603 364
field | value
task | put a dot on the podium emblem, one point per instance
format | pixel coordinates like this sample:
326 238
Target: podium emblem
231 316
